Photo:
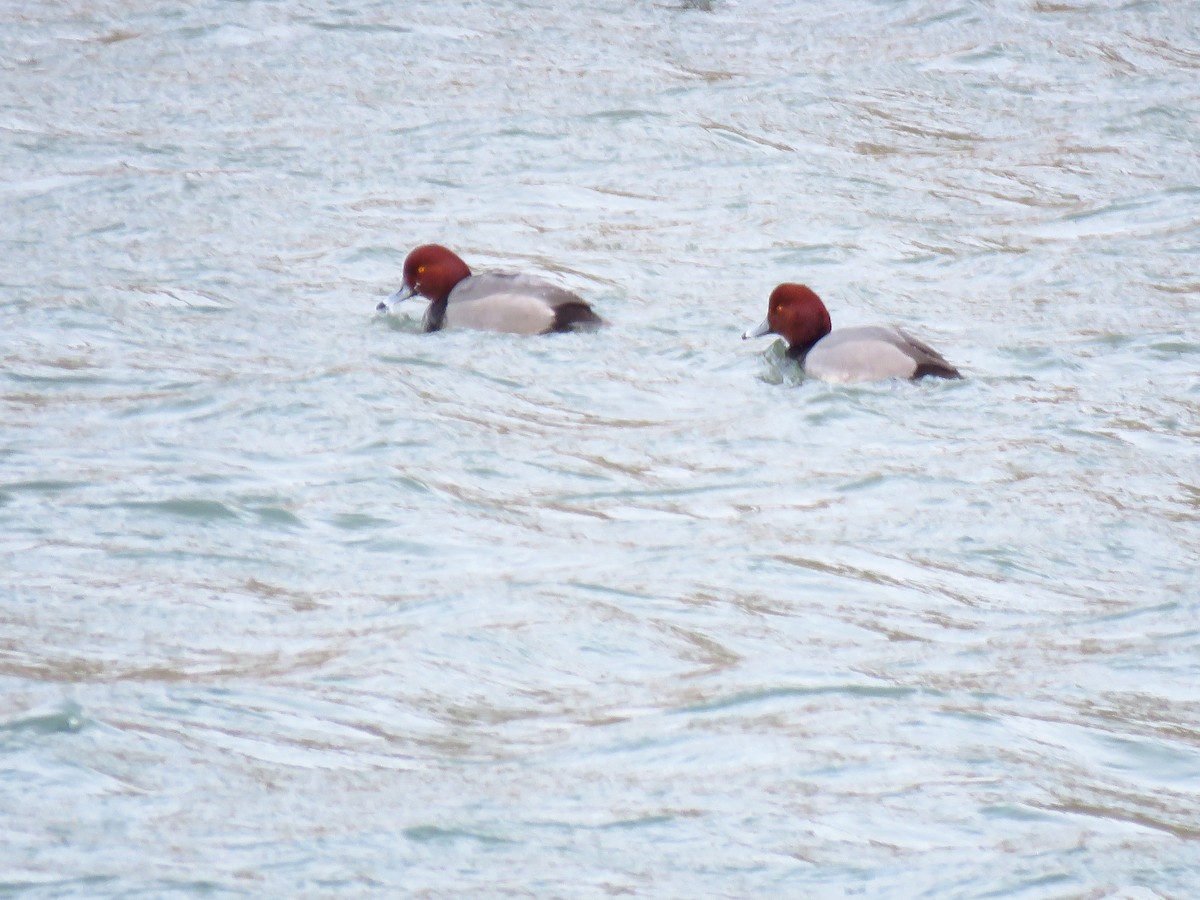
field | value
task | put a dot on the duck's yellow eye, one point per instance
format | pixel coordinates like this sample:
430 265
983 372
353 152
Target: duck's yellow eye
420 270
778 307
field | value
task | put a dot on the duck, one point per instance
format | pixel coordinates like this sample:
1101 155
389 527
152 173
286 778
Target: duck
491 301
847 355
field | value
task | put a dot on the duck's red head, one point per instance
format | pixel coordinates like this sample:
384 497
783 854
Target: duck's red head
797 315
432 271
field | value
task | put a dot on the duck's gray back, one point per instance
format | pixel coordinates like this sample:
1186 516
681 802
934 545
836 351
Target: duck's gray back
503 301
873 353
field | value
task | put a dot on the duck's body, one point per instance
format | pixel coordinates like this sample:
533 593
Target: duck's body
847 355
872 353
509 301
492 301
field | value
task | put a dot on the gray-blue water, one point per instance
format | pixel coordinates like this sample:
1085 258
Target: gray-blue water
298 601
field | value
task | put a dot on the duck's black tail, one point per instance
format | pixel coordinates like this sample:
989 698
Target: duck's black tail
575 317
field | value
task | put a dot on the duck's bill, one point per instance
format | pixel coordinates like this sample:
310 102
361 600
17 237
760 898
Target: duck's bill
764 327
395 299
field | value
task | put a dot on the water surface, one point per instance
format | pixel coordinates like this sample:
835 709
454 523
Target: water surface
300 601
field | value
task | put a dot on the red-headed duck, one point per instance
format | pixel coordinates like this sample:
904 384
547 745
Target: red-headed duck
492 301
867 353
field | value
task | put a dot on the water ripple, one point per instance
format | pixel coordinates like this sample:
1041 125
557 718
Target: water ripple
301 599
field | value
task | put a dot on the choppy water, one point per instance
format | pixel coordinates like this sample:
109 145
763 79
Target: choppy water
299 601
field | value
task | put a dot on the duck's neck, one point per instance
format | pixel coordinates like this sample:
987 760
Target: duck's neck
799 351
435 315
